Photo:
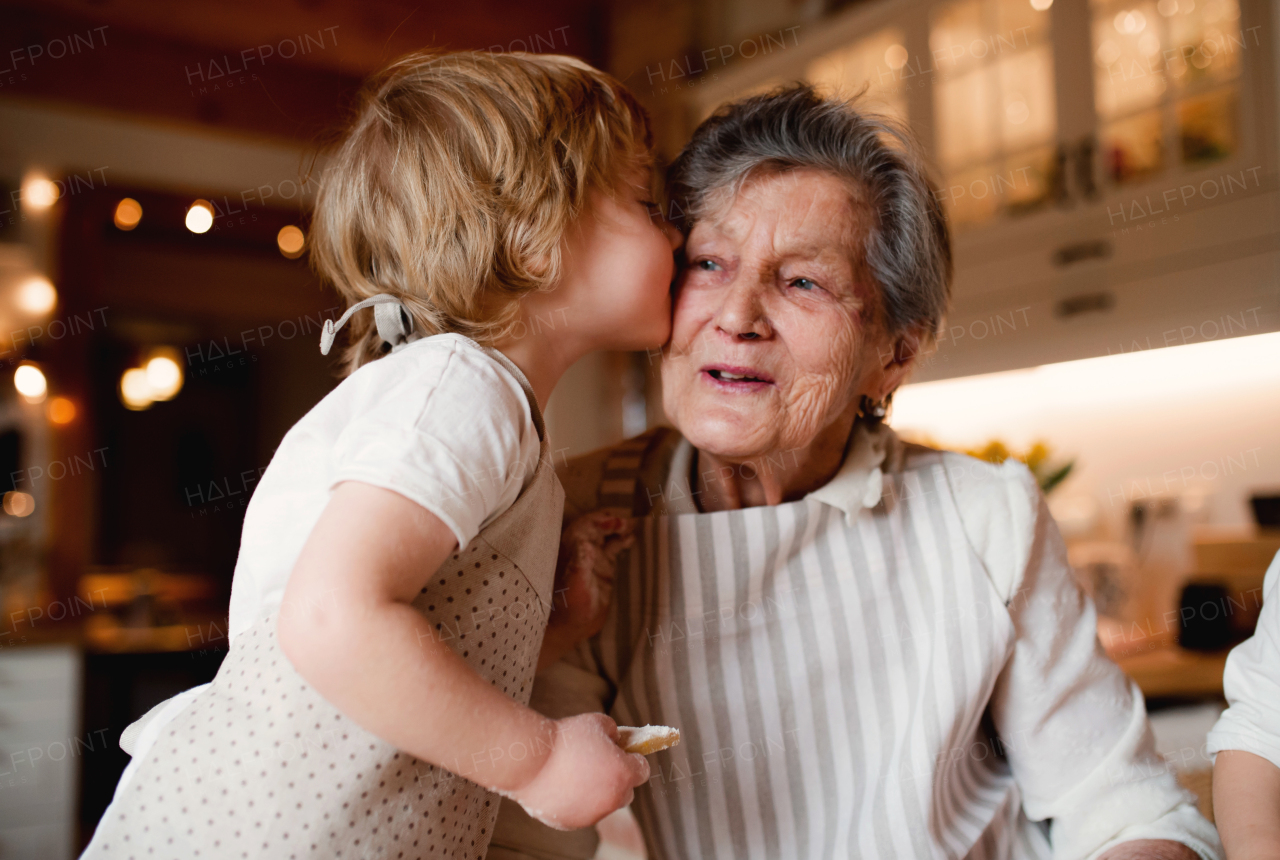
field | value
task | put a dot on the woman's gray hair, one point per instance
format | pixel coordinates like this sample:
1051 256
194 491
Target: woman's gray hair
906 249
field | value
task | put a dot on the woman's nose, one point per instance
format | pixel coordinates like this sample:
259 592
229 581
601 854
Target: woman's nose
741 313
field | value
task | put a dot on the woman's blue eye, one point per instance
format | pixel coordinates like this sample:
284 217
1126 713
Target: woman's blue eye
707 265
803 283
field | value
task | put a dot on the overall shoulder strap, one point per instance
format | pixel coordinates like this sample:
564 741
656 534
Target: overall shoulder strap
528 390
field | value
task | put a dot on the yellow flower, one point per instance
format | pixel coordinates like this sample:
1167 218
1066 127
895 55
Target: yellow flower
1038 454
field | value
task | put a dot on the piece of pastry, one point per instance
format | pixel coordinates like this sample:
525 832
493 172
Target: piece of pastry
647 739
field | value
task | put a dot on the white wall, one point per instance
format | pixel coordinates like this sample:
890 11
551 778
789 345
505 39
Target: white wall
1201 422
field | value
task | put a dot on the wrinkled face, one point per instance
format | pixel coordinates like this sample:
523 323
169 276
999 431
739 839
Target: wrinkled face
775 332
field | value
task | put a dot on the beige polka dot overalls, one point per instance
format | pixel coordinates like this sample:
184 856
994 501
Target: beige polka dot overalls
260 765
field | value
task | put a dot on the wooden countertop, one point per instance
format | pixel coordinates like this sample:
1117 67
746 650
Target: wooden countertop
50 633
103 635
1175 672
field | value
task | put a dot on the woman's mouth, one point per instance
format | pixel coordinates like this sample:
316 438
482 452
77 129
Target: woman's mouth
730 378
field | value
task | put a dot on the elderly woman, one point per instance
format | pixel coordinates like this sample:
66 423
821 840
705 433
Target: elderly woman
872 649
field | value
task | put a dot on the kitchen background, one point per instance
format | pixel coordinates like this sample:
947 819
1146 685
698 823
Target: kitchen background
1109 168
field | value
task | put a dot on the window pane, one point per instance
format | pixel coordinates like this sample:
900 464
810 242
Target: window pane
1207 40
1017 184
969 196
1026 180
1132 147
1129 66
1162 64
1026 86
993 98
966 119
874 62
956 29
1020 24
1207 126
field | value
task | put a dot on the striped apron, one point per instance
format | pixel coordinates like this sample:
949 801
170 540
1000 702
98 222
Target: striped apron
829 677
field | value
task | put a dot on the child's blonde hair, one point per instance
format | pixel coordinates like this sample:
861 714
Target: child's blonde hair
455 183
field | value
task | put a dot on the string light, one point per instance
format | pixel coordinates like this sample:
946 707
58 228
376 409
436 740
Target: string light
158 379
61 411
18 504
37 295
164 373
39 193
290 240
135 392
30 382
200 217
128 213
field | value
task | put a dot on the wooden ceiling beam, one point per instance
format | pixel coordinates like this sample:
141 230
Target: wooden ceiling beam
269 68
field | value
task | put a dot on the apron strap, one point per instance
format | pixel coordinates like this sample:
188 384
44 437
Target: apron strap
620 477
528 393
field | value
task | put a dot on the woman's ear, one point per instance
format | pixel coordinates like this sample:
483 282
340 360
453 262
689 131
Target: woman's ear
897 361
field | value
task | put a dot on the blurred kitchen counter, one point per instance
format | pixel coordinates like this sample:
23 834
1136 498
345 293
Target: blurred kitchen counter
105 635
1173 672
69 687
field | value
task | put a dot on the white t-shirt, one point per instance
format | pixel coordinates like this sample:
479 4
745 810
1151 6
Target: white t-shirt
439 421
1251 684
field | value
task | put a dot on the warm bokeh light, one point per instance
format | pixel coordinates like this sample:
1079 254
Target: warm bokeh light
61 411
200 217
18 504
1041 5
135 391
128 213
1130 21
164 373
895 56
30 383
291 240
37 295
158 379
39 193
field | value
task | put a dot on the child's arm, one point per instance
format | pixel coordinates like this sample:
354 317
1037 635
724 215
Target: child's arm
347 626
1246 805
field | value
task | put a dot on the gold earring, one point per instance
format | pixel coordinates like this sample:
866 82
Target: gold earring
874 410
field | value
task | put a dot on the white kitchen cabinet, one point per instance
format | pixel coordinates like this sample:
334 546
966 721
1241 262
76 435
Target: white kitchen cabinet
1109 167
40 746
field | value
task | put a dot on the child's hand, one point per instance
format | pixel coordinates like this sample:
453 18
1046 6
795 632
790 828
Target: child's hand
589 549
585 776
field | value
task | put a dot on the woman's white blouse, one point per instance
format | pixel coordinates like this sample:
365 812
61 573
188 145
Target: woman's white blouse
1252 684
1073 726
